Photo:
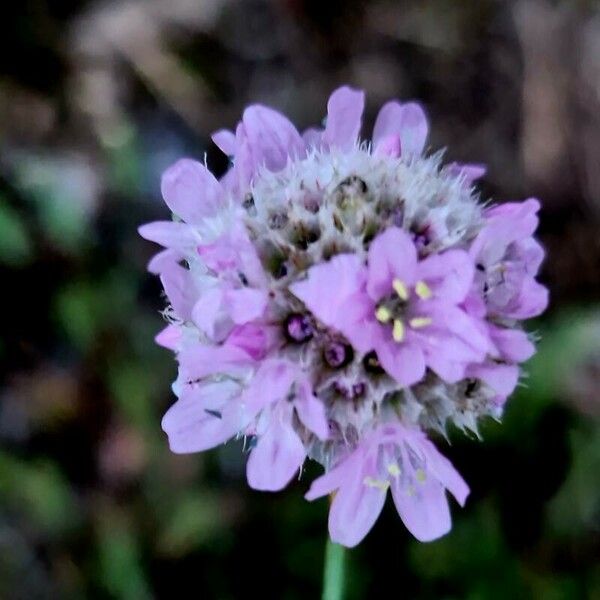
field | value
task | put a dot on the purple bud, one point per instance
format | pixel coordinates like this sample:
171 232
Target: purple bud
298 328
358 390
337 354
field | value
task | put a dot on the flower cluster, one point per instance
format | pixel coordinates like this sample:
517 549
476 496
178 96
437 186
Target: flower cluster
337 299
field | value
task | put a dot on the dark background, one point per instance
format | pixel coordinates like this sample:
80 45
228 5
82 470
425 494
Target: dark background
96 99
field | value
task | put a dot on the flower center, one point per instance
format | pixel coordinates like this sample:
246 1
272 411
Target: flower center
395 309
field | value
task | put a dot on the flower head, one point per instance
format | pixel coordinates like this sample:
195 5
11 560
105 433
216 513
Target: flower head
334 299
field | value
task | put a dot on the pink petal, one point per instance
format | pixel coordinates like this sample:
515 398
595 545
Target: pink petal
246 304
404 362
389 146
208 314
193 424
191 190
271 137
180 289
423 508
272 382
257 339
443 470
312 137
169 234
344 115
408 121
311 412
225 141
502 379
169 337
334 478
277 456
392 254
354 510
199 360
333 292
449 274
163 260
532 300
468 171
513 344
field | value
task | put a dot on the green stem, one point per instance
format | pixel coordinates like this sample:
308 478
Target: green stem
333 574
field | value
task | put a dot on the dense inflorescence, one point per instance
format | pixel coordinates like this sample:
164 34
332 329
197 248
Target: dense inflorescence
338 299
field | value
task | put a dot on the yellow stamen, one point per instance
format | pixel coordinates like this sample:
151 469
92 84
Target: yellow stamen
383 314
376 483
420 475
398 331
393 470
418 322
400 289
423 290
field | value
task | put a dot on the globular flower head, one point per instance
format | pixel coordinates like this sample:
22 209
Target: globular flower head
337 299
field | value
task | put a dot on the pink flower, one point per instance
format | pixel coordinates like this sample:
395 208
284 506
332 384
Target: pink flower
336 299
507 259
397 458
407 310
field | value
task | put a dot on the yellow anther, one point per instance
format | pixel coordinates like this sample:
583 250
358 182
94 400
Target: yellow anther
418 322
400 289
423 290
383 314
398 330
420 475
393 470
376 483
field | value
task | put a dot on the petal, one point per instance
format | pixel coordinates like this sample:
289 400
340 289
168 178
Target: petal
532 300
163 260
277 456
312 137
448 356
423 509
443 470
408 121
200 360
344 115
389 146
225 141
191 190
333 292
311 412
469 172
502 379
334 478
169 337
169 234
254 338
354 510
193 424
271 137
450 274
391 255
513 344
272 382
208 314
404 362
246 304
180 289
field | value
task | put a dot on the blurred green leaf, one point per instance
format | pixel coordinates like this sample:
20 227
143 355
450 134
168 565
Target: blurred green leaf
120 569
575 510
194 520
64 191
40 491
15 244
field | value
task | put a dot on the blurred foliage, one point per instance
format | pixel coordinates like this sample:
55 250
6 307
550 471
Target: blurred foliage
95 100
